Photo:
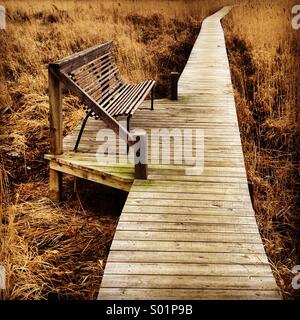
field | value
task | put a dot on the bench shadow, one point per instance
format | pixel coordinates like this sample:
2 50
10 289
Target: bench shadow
92 198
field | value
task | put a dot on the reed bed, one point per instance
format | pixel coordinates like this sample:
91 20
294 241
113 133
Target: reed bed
58 252
264 54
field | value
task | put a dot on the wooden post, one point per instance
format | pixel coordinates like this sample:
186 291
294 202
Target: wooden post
152 98
174 85
55 102
56 131
55 185
140 155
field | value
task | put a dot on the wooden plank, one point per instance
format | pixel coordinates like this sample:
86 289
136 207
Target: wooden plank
99 177
62 165
203 203
199 218
185 294
192 246
76 60
183 257
139 195
189 282
56 133
181 269
188 227
188 210
179 236
192 192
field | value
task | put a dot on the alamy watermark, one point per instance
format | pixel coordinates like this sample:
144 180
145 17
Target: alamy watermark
176 146
2 278
296 18
296 279
2 18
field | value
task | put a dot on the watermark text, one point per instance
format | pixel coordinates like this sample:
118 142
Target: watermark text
296 18
2 18
2 278
296 279
165 146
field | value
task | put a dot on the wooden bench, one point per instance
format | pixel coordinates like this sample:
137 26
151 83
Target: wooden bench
93 76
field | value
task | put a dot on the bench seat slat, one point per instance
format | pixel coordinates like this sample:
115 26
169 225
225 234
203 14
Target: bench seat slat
108 94
131 103
101 89
112 95
122 99
143 95
101 95
108 107
124 102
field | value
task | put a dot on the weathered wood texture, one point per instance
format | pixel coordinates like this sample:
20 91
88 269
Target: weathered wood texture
181 236
194 237
94 77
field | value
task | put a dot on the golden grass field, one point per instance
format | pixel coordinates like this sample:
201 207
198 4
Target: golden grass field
264 54
58 252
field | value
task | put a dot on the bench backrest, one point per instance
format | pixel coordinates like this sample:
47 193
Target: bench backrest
90 75
98 78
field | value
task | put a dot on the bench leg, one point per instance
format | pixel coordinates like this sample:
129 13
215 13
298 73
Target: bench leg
55 185
128 129
81 131
152 98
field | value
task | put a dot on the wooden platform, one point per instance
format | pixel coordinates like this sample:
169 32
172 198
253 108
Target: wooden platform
182 236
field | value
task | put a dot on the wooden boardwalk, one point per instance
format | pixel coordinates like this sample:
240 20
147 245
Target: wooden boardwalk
181 236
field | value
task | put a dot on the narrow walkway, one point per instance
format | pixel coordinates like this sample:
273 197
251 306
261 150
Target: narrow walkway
193 237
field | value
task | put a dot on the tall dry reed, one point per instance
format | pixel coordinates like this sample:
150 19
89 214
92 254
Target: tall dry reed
40 245
264 54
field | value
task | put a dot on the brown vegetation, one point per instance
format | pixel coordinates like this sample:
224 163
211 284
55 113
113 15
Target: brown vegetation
264 54
51 251
38 33
54 251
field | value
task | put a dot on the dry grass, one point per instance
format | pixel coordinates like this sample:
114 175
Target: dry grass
53 252
150 41
56 252
264 54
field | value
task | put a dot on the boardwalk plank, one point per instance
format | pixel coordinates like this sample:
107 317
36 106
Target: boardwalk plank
191 257
182 236
187 294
